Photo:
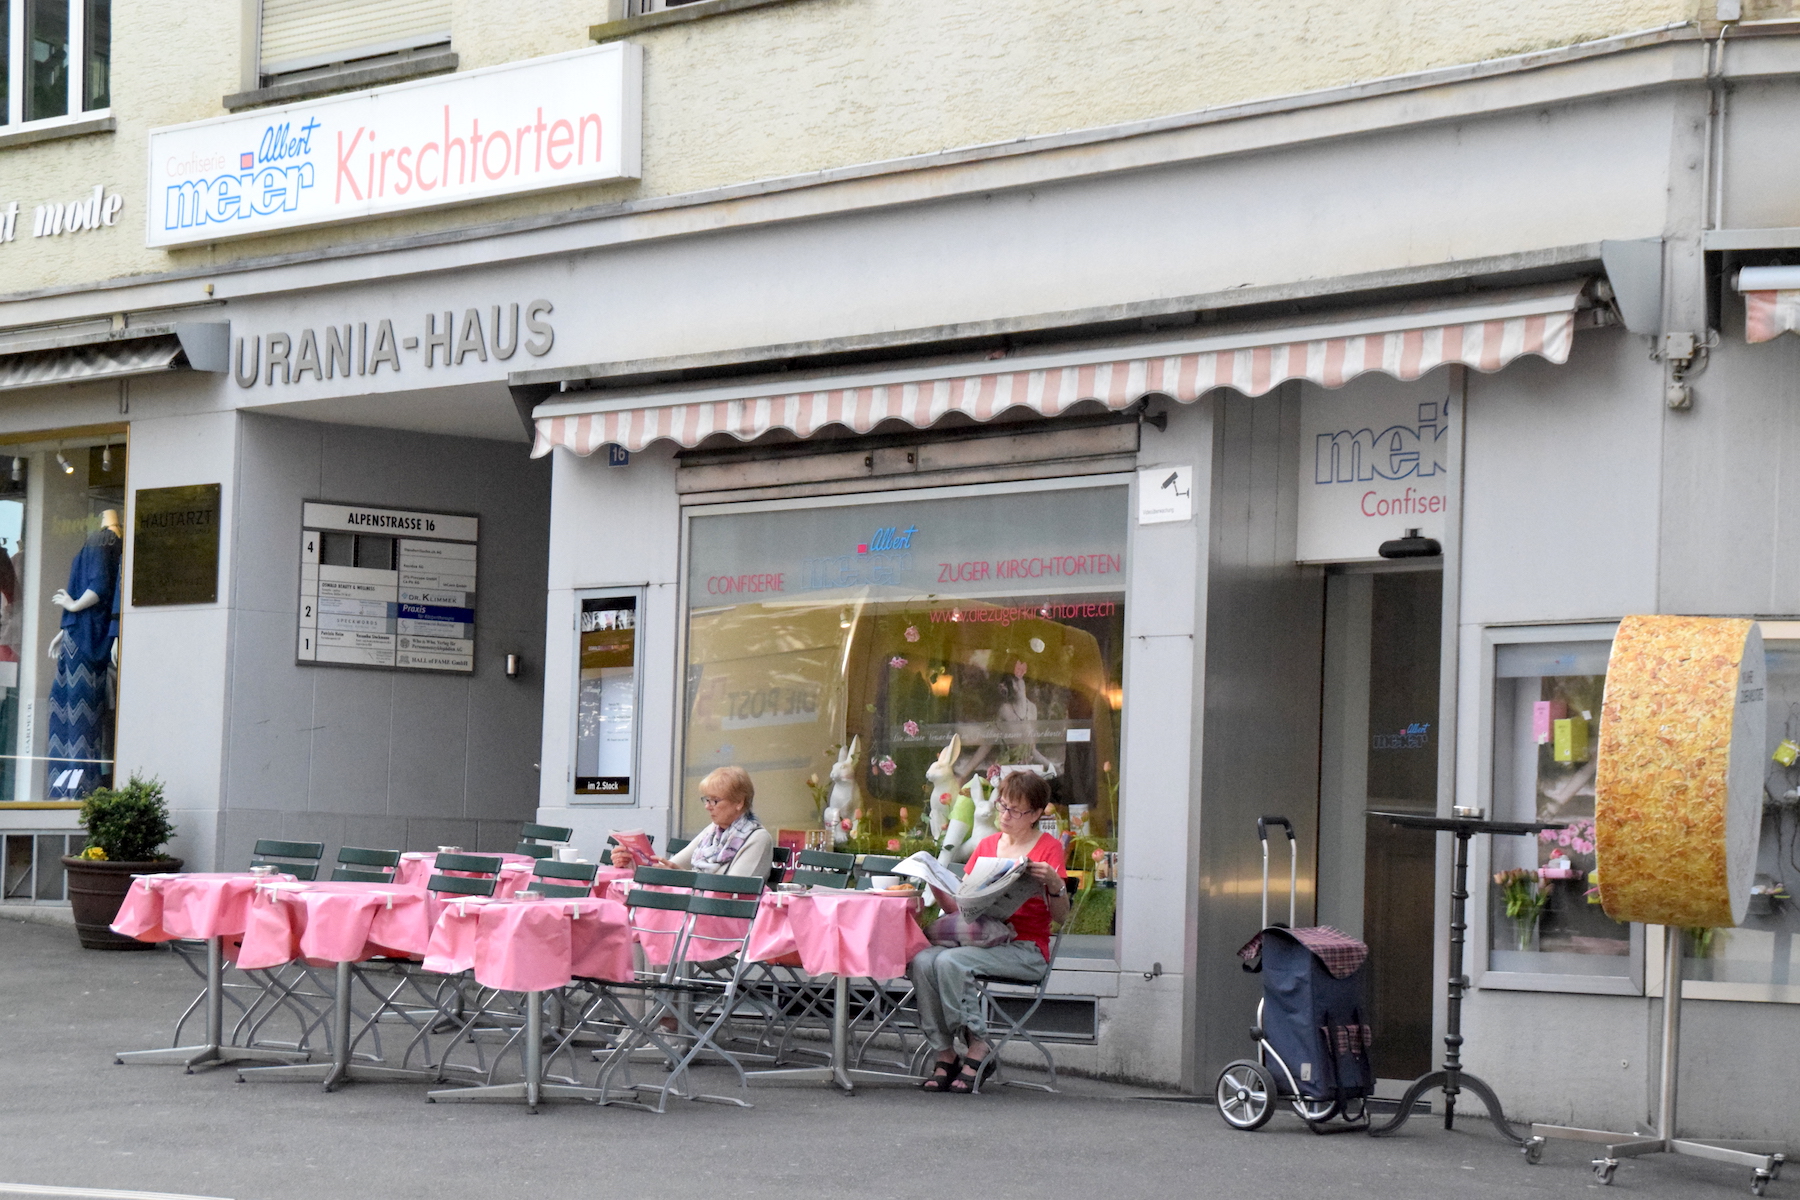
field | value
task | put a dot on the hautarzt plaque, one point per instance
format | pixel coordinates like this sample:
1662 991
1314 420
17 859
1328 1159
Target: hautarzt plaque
175 546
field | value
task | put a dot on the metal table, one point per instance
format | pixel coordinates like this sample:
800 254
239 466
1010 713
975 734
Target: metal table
1453 1079
213 1052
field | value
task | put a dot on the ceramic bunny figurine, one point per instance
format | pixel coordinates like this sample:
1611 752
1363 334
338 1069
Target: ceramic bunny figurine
842 806
978 825
942 777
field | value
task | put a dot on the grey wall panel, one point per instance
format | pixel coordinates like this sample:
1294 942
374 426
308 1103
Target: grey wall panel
1731 468
1762 189
375 833
1560 485
269 758
1264 634
352 731
428 764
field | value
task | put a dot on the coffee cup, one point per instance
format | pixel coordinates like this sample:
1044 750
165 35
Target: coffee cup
450 850
879 882
567 854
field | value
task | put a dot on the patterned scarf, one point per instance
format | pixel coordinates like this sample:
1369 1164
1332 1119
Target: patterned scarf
714 849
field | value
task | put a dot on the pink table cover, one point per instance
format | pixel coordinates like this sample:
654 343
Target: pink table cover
515 870
532 946
333 922
859 934
160 908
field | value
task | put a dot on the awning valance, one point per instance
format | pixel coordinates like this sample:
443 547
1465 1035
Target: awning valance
1771 301
148 350
1484 332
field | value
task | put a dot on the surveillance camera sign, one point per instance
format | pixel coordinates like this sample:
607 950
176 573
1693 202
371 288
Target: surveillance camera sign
1165 494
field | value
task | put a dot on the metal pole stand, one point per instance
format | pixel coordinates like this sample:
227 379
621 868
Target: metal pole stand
341 1068
839 1071
1764 1158
1453 1079
212 1053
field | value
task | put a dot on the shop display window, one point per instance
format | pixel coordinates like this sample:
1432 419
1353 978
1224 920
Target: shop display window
61 533
607 697
1544 921
994 618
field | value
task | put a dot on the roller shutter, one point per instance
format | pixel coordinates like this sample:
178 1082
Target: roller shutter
301 34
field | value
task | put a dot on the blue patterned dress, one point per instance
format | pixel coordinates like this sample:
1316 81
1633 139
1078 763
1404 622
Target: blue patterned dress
78 700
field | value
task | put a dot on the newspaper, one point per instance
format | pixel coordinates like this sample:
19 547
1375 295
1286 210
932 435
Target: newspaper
637 844
992 887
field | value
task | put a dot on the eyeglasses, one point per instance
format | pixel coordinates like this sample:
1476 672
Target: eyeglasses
709 801
1010 811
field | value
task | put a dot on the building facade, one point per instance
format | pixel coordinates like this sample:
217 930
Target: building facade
775 377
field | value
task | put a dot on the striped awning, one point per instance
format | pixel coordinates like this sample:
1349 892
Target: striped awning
1486 332
1771 301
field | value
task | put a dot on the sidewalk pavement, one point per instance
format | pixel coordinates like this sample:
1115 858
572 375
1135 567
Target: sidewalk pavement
70 1118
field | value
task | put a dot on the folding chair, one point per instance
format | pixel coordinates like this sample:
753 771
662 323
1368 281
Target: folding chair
299 859
824 868
781 859
356 864
700 1001
533 839
1017 1029
873 865
583 873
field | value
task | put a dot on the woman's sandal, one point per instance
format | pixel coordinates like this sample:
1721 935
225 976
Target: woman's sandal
941 1075
975 1072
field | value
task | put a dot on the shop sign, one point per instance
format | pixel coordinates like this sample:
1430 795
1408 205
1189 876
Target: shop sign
96 209
383 587
544 123
175 545
1373 464
363 348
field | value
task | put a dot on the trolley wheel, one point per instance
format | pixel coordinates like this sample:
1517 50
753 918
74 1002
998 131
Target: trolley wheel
1760 1182
1315 1110
1604 1168
1777 1160
1534 1151
1246 1094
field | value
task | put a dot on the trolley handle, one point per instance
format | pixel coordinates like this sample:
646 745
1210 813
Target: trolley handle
1263 823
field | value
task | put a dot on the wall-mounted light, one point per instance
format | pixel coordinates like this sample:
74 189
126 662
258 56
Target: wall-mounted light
514 664
106 458
18 470
65 464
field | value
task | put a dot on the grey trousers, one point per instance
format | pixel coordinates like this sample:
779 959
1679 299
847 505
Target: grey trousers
944 987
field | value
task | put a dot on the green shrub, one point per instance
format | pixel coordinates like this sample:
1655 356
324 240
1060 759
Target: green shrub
130 824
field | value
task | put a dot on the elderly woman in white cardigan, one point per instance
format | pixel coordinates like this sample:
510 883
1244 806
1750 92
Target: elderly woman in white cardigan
735 843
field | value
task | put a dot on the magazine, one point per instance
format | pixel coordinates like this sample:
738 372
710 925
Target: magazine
991 887
637 844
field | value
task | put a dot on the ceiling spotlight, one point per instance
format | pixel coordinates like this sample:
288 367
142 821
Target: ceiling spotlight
18 470
65 464
106 458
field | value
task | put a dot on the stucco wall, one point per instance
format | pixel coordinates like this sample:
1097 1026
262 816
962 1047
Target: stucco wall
792 88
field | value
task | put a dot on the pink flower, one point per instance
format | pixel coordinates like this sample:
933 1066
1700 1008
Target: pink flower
993 772
903 814
912 633
894 844
1019 669
888 765
912 728
896 662
1099 854
846 824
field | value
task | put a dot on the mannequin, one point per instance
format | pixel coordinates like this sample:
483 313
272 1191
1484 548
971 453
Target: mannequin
82 650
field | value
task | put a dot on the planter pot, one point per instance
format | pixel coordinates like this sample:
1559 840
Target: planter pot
97 889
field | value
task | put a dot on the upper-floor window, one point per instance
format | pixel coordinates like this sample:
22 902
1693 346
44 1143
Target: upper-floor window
55 58
302 36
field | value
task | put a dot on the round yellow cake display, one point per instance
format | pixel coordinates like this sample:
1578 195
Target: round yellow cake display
1678 786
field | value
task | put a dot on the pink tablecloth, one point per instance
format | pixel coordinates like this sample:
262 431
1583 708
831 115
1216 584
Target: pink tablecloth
159 908
859 934
333 922
532 946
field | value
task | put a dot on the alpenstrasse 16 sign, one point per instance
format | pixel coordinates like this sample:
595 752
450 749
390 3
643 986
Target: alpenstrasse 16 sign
544 123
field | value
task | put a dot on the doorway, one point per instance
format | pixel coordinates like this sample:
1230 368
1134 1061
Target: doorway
1379 753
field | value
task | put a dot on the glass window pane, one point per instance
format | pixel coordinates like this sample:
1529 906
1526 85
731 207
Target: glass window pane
1544 915
5 61
606 704
46 59
96 79
994 620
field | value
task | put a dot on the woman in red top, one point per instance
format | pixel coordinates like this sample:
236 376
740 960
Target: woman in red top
943 976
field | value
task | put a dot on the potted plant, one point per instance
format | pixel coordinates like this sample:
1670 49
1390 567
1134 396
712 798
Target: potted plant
127 828
1526 898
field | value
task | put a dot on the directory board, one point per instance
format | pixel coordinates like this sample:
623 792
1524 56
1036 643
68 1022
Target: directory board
383 587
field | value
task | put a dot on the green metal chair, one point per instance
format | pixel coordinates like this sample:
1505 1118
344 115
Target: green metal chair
533 839
874 864
459 885
469 864
677 845
583 873
824 868
299 859
356 864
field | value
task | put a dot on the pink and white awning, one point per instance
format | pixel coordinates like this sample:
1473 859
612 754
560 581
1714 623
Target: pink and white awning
1771 302
1486 333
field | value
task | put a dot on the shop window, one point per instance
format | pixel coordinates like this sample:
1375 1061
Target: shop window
61 534
64 64
301 36
994 619
1545 926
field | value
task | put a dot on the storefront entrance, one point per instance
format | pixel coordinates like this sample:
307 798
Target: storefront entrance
1379 752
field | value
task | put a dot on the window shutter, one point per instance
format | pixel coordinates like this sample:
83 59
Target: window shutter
301 34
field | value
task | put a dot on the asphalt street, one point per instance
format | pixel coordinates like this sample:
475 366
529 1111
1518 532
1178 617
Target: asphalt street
70 1118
